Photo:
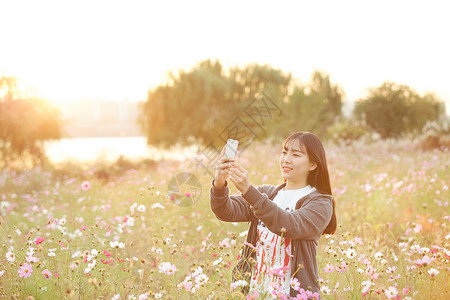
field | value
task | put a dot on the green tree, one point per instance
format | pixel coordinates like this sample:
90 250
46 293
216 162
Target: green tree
393 110
331 94
312 107
25 123
196 105
187 107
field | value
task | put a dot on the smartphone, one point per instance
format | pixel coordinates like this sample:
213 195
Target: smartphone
231 149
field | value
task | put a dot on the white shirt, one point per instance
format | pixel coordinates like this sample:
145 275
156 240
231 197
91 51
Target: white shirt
273 252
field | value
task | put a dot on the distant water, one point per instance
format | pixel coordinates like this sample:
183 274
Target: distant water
110 149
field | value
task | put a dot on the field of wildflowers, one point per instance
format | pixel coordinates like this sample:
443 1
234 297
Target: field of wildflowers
72 234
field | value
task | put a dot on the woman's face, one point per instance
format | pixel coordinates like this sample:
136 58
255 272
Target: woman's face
294 162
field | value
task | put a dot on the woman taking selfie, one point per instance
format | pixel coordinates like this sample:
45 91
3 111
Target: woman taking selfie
286 221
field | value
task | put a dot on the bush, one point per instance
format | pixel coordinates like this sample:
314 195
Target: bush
394 110
435 135
346 131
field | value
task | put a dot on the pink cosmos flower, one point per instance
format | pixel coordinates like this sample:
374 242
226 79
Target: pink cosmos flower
342 268
426 260
32 259
85 185
329 268
391 292
225 243
39 240
254 296
25 270
279 271
406 290
167 268
47 274
391 269
276 290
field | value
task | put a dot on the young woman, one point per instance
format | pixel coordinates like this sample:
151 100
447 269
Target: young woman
286 221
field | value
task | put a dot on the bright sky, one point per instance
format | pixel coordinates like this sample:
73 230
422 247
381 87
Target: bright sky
113 50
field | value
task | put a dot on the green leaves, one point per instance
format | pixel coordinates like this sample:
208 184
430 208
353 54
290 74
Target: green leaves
393 110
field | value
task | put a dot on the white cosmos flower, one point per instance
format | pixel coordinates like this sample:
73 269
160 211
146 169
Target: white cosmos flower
367 283
423 250
130 221
157 205
201 279
217 261
92 264
325 290
378 255
30 251
351 253
132 207
238 283
10 256
77 254
243 233
433 272
415 247
117 244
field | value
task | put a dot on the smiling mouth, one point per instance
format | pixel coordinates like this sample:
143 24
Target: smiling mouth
287 169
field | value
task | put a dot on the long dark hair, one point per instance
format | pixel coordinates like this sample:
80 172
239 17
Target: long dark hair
319 177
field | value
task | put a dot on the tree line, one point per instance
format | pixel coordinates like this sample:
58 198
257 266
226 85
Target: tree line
193 106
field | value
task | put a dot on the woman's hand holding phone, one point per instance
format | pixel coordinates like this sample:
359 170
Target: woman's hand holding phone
227 168
221 175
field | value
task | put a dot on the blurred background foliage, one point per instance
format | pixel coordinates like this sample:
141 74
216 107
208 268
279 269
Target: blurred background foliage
393 110
25 123
194 106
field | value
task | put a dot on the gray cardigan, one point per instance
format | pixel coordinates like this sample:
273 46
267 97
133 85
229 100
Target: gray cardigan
305 225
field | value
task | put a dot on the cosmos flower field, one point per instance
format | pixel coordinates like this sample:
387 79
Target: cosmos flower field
71 234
